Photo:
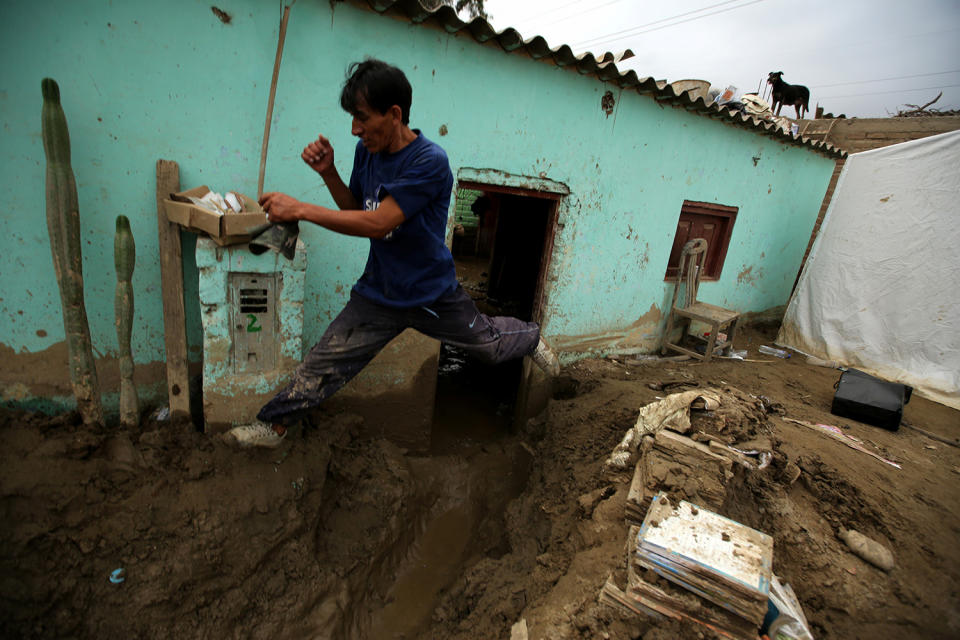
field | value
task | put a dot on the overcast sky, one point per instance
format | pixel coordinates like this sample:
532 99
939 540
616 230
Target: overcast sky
858 57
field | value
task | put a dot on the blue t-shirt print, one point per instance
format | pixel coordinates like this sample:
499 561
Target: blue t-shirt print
371 204
411 266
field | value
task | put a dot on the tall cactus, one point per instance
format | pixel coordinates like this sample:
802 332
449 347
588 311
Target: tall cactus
124 258
63 223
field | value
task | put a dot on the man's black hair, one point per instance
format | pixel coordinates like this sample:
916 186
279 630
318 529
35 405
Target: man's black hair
378 84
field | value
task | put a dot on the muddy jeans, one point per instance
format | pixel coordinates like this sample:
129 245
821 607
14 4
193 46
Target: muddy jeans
363 328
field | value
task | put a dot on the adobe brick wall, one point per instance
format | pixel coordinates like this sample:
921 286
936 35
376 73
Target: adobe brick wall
861 134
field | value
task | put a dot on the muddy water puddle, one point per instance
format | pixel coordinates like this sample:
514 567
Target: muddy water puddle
432 565
475 468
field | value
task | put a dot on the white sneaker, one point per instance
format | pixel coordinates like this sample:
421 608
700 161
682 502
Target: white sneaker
546 359
258 434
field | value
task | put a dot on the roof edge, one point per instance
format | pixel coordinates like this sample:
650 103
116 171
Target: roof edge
604 69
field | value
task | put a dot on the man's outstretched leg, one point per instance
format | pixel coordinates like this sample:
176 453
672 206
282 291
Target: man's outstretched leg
455 319
349 343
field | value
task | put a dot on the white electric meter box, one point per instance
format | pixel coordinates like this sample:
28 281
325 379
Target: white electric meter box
251 309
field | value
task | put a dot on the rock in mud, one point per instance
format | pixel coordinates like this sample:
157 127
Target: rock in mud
589 501
791 473
120 451
868 549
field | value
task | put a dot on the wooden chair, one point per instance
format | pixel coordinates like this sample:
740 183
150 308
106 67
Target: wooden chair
691 264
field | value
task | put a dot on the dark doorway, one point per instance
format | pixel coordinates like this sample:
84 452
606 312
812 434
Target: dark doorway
501 244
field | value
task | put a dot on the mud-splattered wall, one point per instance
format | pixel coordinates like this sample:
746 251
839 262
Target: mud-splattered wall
173 80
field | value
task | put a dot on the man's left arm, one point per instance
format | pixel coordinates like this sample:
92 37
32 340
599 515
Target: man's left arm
352 222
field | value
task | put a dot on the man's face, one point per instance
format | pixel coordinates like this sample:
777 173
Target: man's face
376 130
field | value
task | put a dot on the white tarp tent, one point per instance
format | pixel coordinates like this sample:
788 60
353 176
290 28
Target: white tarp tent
881 288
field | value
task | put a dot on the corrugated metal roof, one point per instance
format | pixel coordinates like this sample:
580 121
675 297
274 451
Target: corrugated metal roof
604 67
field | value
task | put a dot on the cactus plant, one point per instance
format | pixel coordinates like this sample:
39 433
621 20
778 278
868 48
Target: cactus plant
63 223
124 258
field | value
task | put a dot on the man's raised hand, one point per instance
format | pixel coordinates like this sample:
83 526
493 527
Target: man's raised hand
319 155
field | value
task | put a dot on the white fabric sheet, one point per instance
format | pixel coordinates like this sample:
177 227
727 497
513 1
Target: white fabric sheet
881 288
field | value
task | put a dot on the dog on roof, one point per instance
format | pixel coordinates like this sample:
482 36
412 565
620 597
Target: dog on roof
795 95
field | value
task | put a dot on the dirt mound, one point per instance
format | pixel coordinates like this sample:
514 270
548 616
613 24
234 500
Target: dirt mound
299 542
568 531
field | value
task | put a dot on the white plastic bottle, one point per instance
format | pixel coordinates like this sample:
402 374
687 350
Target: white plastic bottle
780 353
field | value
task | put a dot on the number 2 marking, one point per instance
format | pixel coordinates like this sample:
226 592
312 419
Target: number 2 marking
253 327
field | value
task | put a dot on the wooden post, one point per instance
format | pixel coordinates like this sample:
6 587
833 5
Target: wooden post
171 278
273 94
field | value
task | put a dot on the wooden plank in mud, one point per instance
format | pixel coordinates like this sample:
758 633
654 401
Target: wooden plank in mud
637 502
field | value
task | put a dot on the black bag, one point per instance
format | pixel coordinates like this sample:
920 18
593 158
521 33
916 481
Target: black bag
865 398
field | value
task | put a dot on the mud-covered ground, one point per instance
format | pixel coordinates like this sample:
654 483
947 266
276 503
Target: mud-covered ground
335 536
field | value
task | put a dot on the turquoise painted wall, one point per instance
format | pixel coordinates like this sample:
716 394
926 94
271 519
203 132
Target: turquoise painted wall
142 81
138 82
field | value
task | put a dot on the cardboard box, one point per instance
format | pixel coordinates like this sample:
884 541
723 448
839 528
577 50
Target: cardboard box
231 228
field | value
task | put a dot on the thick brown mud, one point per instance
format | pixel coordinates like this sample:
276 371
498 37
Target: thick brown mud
339 536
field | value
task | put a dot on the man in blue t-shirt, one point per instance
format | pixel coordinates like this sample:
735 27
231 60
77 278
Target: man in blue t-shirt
398 196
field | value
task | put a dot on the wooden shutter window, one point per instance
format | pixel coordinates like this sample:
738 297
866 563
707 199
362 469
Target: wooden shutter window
712 222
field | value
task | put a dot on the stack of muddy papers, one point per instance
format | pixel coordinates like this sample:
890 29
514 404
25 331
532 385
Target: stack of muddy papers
648 594
679 465
718 559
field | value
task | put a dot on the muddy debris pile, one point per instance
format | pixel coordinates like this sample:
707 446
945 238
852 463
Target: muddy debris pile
693 445
692 451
